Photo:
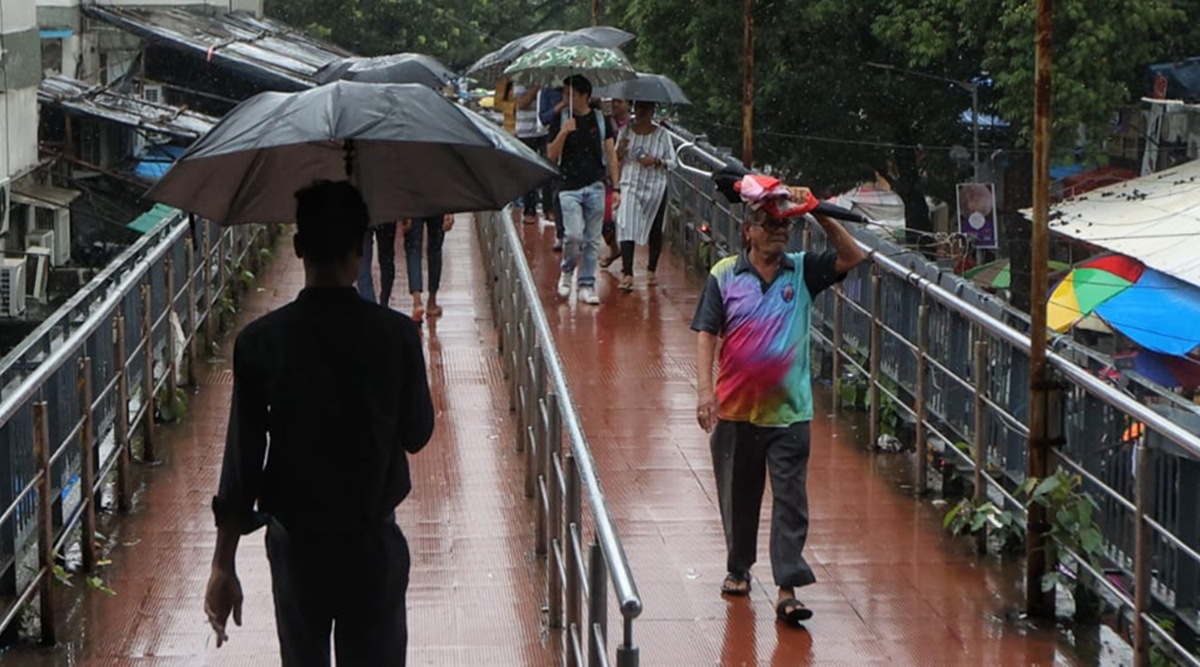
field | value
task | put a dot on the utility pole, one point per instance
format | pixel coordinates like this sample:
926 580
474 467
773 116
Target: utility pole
1038 555
748 87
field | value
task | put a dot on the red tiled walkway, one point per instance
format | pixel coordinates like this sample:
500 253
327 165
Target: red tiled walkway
893 588
474 595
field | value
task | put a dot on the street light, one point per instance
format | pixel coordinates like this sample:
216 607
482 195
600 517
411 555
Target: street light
973 88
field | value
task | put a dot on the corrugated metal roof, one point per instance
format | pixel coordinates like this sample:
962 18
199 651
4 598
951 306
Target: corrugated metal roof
1155 219
257 46
102 102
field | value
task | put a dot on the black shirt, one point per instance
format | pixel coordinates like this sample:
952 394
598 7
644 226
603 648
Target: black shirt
582 160
329 393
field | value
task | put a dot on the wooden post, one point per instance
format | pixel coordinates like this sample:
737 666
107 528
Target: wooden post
45 500
121 428
171 351
147 374
748 85
1038 555
88 459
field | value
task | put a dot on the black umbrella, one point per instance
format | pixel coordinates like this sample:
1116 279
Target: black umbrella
395 68
645 88
411 151
490 67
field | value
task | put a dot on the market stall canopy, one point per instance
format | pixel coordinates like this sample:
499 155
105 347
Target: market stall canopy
1154 219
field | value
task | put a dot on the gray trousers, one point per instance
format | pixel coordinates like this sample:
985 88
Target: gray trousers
742 455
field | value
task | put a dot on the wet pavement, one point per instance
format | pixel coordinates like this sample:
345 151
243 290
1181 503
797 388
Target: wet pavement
893 587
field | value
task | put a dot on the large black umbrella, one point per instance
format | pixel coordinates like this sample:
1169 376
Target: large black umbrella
395 68
411 151
490 67
645 88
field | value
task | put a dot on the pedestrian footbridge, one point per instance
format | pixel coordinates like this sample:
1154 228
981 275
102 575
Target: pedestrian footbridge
565 511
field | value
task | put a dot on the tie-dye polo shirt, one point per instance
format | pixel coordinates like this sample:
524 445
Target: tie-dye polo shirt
763 372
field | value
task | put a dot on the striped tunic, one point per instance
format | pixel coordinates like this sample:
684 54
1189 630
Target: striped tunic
642 188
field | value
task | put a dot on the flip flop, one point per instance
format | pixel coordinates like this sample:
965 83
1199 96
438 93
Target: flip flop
733 584
795 616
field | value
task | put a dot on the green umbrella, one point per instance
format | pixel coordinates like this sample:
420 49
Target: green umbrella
998 274
549 65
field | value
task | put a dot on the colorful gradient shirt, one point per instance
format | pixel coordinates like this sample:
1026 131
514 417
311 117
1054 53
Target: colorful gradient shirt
763 374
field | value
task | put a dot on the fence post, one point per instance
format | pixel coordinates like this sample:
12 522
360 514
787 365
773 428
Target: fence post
572 556
210 299
597 607
169 331
838 296
45 500
539 433
1143 496
147 373
554 542
88 463
121 428
193 329
980 437
920 409
876 351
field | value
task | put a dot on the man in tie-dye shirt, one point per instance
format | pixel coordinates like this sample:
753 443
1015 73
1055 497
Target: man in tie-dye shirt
759 304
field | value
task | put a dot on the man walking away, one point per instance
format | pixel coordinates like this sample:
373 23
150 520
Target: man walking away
583 145
329 398
759 302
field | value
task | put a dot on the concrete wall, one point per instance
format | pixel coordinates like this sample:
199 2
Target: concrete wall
20 72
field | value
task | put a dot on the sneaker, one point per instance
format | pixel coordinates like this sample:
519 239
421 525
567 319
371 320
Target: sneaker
588 295
557 247
564 284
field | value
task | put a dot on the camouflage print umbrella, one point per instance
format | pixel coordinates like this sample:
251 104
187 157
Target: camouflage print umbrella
490 67
549 65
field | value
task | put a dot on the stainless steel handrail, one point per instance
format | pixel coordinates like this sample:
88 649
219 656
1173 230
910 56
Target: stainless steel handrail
68 434
541 396
1150 531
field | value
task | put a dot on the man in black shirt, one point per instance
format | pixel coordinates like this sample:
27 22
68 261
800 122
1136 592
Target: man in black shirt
329 394
583 144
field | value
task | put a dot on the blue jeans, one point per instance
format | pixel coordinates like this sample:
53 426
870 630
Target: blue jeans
433 254
582 217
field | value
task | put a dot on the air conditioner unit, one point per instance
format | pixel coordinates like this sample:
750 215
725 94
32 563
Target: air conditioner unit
5 196
62 237
152 92
12 287
40 238
37 273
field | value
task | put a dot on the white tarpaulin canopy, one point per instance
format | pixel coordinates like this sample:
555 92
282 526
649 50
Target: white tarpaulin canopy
1154 219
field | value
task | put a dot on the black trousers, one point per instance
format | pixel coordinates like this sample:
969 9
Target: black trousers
742 454
656 244
351 585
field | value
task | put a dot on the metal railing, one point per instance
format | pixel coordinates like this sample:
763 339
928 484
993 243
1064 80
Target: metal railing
560 480
77 390
954 362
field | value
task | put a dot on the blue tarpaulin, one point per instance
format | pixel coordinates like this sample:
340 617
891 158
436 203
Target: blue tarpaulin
1158 312
1183 79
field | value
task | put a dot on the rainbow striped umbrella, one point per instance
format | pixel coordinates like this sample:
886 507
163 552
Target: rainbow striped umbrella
1088 286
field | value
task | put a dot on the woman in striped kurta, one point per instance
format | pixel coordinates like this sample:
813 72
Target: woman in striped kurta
645 152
